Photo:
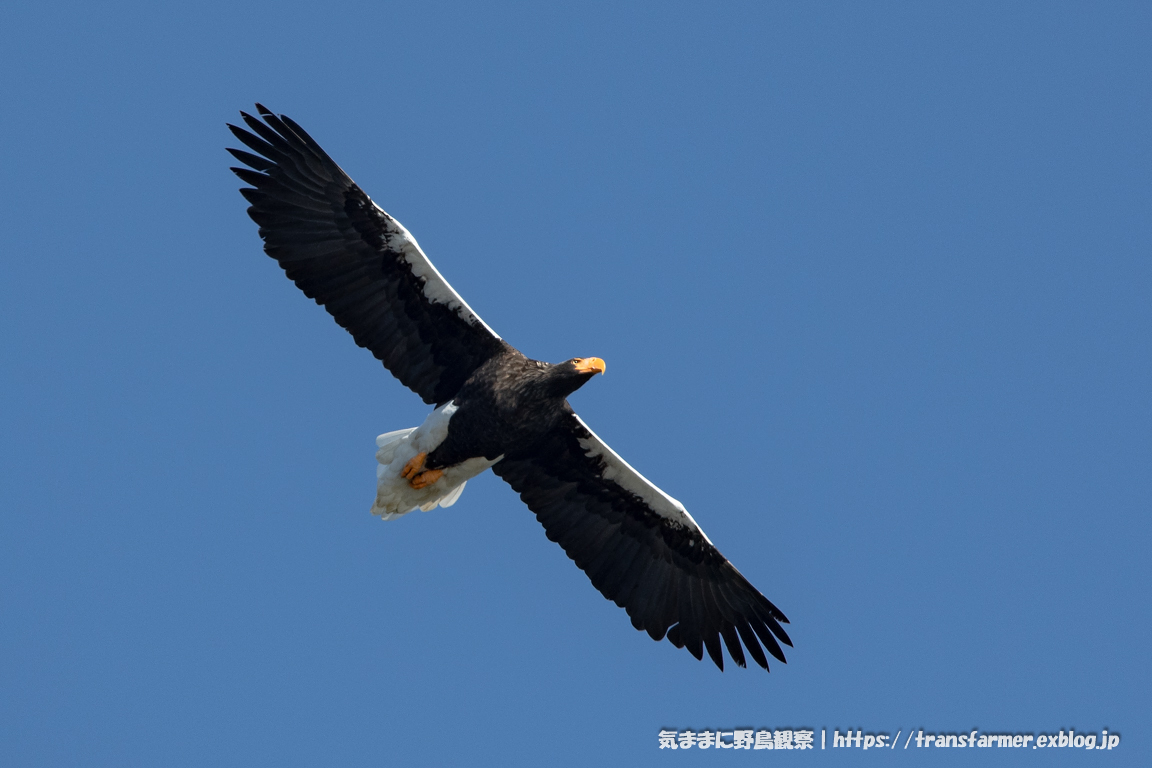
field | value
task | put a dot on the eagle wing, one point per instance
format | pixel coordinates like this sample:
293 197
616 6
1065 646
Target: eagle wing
361 264
641 548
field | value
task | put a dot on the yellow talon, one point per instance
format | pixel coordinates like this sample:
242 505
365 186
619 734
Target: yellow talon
425 479
414 466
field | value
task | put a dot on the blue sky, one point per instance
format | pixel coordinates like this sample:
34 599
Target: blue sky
872 284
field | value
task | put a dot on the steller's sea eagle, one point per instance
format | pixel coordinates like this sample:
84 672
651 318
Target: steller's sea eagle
494 407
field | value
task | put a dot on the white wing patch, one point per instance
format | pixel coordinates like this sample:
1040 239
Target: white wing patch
436 288
622 473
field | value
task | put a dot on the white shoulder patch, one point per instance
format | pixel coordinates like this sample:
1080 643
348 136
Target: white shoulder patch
436 288
622 473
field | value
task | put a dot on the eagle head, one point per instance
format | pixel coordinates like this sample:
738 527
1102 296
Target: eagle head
567 377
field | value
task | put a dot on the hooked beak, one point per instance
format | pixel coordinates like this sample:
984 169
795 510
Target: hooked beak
590 365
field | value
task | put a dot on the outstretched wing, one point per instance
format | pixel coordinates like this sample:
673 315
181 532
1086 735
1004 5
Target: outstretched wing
361 264
641 548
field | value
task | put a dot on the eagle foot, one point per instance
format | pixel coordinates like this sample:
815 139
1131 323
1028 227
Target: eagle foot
425 479
414 467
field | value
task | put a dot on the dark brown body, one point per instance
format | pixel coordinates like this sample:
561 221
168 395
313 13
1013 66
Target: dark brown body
505 407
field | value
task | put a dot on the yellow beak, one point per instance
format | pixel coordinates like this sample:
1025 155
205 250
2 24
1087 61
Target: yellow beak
590 365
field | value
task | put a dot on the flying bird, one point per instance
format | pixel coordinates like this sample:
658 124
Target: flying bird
494 408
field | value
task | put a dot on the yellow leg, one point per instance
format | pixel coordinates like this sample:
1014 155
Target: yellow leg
425 479
414 466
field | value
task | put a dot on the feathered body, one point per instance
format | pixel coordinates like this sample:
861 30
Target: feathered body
504 408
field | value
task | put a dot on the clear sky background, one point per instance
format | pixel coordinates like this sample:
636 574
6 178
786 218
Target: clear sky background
872 282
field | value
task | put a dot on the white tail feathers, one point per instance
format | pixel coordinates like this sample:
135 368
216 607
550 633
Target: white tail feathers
387 442
395 496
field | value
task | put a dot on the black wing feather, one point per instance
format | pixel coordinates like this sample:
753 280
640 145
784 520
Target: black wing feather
354 259
664 572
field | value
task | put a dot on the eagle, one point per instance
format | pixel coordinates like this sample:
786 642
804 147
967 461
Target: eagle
494 407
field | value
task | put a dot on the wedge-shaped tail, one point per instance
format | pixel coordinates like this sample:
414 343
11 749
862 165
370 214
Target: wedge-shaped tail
395 496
